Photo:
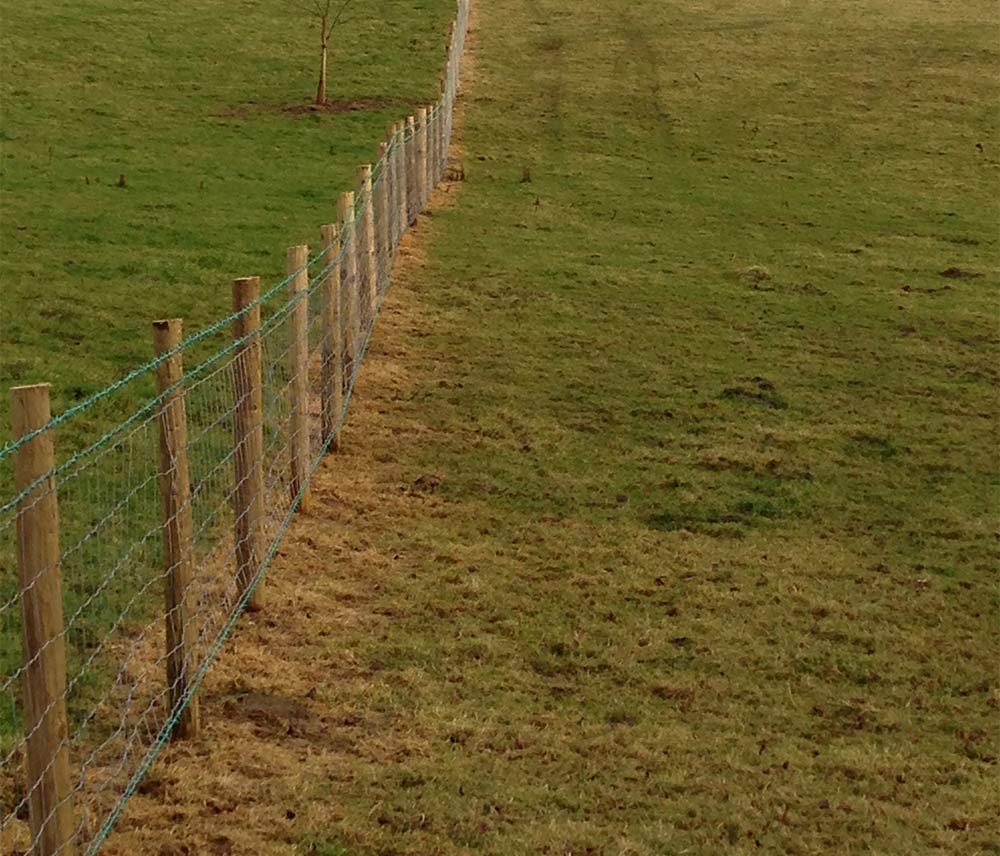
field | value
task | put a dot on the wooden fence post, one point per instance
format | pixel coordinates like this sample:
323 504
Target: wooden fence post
442 146
451 60
349 280
366 246
412 186
178 528
50 794
432 119
402 176
422 190
332 384
248 440
391 174
383 220
298 259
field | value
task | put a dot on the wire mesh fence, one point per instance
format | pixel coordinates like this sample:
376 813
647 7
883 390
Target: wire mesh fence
124 567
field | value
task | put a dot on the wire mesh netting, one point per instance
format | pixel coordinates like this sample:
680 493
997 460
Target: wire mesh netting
162 544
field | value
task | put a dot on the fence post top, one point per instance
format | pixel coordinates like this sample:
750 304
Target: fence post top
30 389
30 410
246 292
298 250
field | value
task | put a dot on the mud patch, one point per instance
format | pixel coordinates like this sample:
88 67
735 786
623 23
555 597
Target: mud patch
273 714
759 390
959 273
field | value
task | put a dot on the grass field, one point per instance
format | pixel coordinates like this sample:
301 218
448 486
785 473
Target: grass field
668 518
189 102
711 404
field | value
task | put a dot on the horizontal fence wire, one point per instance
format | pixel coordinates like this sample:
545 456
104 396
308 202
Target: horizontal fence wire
116 563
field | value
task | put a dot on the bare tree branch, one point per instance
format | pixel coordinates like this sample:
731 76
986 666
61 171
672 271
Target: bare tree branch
321 9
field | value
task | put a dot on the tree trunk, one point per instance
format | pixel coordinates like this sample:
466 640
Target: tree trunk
321 86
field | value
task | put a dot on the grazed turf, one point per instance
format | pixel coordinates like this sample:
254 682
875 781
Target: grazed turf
710 406
677 530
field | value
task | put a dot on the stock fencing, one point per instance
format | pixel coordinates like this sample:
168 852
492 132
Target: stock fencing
124 568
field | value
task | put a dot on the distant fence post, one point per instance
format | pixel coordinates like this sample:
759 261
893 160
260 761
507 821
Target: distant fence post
332 383
412 185
349 280
422 188
432 118
451 62
366 244
402 176
50 792
390 174
178 528
248 440
442 146
298 260
383 220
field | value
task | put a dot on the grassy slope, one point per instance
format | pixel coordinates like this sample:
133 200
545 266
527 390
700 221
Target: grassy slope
215 187
715 570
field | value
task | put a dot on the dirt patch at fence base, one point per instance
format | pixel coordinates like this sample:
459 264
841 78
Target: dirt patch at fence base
276 706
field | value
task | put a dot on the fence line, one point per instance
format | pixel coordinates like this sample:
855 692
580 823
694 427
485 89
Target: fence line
124 568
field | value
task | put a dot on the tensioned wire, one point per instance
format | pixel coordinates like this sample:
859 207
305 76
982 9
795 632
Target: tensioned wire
190 373
187 379
239 605
265 328
238 608
199 674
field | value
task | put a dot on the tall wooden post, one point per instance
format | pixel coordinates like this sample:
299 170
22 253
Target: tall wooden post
349 279
366 246
451 60
412 185
383 219
248 440
392 207
50 792
442 145
332 383
422 185
402 177
432 118
298 441
178 526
